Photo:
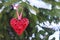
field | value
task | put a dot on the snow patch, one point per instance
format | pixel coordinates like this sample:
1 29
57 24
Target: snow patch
58 7
2 9
37 22
40 4
0 1
33 35
33 11
39 28
53 25
30 38
55 35
41 36
57 0
46 33
24 0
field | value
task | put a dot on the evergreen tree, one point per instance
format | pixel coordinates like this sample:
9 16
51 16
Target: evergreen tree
7 12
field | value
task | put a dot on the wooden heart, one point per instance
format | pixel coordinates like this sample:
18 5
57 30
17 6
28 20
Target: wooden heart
19 25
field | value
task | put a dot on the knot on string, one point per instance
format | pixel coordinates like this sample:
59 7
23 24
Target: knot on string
15 6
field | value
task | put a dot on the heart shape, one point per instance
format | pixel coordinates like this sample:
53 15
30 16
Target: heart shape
19 25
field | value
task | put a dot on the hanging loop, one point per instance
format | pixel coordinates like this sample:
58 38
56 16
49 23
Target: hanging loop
18 15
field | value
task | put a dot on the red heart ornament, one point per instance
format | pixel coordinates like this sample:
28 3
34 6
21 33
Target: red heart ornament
19 25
